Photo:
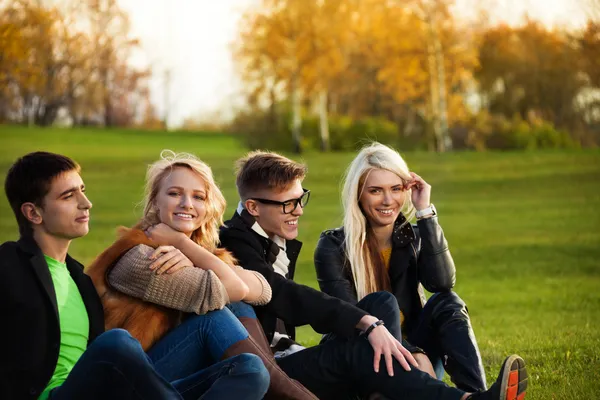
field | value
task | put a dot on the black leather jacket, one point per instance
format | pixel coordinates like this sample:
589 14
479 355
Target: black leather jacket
420 258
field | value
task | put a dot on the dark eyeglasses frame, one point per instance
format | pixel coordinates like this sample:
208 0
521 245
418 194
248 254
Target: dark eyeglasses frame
305 195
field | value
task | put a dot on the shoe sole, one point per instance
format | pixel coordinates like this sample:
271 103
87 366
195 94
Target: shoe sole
514 379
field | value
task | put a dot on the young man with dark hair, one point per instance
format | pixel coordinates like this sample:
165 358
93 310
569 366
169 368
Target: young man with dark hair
53 345
262 236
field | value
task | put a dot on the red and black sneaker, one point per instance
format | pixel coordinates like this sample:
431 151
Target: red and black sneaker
511 383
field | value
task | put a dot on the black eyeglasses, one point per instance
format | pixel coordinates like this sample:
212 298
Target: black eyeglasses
288 206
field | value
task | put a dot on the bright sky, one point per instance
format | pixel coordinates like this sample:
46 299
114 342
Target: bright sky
191 39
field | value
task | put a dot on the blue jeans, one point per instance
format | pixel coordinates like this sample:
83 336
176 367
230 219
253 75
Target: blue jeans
241 309
195 348
114 366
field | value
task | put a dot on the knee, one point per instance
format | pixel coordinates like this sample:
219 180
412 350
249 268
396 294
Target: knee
241 310
382 297
253 369
116 344
219 325
446 306
449 298
378 302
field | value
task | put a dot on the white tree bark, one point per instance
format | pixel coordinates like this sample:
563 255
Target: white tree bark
324 120
296 114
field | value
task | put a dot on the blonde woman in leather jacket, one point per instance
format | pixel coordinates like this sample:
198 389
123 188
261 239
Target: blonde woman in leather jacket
378 249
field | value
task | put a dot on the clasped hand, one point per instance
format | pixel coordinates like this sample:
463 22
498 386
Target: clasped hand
166 257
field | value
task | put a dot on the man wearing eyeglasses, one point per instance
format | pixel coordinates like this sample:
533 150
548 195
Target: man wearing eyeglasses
360 356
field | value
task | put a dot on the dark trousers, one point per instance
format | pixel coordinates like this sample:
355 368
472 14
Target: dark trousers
444 332
340 366
115 367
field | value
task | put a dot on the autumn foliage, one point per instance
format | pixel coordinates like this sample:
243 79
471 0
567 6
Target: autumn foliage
70 57
316 67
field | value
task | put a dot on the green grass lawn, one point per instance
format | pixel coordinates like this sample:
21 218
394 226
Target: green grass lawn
522 227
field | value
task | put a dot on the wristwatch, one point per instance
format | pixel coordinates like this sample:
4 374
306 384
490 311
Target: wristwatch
426 212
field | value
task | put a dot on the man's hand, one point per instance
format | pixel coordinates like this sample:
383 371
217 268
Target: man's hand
164 235
168 260
384 344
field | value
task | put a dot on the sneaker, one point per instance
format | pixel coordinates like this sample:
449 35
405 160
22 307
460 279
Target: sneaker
511 383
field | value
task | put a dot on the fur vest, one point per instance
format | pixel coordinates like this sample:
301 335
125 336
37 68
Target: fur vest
145 321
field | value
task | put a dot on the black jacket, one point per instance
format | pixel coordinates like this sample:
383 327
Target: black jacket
293 303
420 255
30 333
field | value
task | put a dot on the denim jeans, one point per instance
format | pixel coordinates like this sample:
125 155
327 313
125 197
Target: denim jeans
193 350
340 366
241 309
114 366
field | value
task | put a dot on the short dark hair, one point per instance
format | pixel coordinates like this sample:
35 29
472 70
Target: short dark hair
29 180
265 170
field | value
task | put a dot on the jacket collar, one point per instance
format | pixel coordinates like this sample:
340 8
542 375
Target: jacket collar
245 221
40 267
403 233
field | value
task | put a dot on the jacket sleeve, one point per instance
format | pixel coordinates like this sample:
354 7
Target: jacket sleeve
329 265
189 289
436 269
293 303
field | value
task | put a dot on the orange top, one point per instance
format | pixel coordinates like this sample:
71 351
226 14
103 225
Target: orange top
386 254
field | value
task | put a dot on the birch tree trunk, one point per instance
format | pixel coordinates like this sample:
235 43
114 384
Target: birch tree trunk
296 117
444 140
324 121
433 91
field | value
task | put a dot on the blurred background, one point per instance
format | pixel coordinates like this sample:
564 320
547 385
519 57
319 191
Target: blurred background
298 74
495 103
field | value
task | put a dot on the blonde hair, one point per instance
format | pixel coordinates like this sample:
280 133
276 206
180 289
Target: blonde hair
362 265
207 235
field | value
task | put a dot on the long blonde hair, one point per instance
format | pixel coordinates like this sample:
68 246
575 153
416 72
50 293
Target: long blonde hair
373 156
207 235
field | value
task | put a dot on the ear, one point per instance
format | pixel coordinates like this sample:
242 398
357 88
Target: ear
31 212
252 208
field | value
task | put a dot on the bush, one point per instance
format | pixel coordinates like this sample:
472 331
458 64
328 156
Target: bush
345 134
487 131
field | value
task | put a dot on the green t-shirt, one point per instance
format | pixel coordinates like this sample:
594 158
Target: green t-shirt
74 323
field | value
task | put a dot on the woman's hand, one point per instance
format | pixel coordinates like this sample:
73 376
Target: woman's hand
168 260
163 235
421 192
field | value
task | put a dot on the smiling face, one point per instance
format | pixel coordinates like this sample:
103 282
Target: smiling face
271 217
65 210
382 197
181 200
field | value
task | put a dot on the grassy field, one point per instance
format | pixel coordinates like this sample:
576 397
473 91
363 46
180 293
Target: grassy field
522 227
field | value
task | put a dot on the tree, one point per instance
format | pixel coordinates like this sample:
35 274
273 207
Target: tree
70 55
529 70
